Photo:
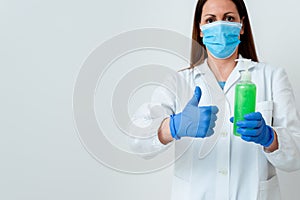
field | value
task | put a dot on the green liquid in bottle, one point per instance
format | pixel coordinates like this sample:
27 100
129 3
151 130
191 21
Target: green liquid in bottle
245 99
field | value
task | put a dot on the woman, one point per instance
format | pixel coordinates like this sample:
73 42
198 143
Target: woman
219 165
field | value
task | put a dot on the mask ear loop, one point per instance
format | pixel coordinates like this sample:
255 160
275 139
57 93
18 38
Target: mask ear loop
242 20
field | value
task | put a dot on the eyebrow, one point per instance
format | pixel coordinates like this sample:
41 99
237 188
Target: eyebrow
215 15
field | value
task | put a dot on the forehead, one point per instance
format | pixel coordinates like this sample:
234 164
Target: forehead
219 6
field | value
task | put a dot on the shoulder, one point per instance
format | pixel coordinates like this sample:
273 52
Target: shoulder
275 76
192 72
267 68
186 72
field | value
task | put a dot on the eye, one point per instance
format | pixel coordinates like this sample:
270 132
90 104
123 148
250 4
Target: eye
229 18
209 20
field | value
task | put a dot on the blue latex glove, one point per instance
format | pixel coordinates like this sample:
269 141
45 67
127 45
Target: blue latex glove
194 121
254 129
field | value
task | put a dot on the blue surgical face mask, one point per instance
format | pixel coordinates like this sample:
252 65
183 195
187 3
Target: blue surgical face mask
221 38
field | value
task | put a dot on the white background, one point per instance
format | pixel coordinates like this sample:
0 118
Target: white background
42 47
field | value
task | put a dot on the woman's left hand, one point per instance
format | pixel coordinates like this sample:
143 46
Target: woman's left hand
254 129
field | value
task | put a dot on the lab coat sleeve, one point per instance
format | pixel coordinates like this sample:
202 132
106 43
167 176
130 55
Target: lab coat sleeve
286 123
147 120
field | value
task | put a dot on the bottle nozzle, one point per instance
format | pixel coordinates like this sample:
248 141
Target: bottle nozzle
246 76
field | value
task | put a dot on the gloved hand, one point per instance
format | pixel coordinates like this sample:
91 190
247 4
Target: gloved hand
194 121
254 129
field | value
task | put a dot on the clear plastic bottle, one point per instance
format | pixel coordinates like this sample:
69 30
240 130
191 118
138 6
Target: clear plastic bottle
245 96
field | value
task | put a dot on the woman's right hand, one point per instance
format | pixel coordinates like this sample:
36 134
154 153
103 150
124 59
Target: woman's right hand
194 121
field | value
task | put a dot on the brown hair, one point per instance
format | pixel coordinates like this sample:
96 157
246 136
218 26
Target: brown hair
246 47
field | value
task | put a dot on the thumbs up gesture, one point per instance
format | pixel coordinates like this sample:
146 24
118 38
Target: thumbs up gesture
194 121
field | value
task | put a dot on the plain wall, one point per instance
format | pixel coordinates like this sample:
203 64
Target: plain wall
42 47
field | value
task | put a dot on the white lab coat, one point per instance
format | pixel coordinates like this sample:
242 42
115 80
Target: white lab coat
224 166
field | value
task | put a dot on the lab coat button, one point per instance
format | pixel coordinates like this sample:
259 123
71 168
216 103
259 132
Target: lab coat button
224 134
223 172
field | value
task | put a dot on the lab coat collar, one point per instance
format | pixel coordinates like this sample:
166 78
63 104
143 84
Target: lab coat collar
202 68
235 75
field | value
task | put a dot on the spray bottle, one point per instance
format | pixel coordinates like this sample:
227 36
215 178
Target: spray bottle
245 95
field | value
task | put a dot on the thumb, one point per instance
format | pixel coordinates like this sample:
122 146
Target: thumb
196 98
